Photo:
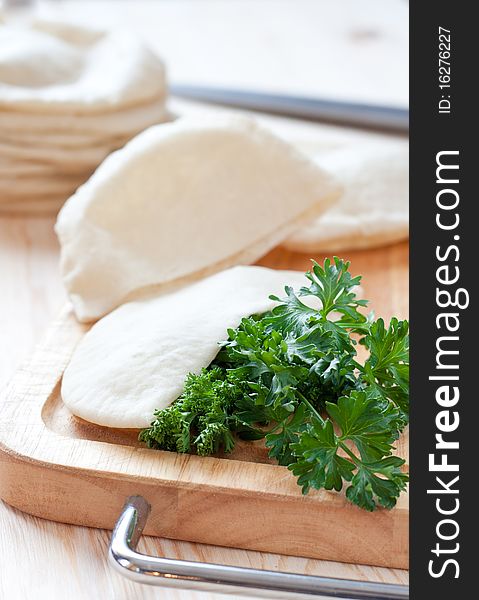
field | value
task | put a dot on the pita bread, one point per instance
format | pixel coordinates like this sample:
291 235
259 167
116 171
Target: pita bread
136 359
41 176
53 67
15 187
27 168
19 168
374 207
84 157
126 122
69 96
360 160
38 207
62 140
181 201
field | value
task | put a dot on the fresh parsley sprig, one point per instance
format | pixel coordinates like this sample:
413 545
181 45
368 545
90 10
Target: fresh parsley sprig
291 376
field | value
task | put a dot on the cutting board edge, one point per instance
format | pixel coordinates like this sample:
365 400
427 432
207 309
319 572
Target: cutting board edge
44 482
251 522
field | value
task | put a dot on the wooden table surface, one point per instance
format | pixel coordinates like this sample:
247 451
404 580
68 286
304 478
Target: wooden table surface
41 559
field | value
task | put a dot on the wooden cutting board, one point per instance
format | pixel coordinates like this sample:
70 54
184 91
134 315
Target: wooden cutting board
58 467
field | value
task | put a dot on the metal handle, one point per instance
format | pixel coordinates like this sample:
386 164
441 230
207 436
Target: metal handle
239 581
356 114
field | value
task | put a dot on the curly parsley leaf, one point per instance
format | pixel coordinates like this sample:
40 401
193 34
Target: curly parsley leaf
377 483
333 284
291 376
360 453
387 368
199 418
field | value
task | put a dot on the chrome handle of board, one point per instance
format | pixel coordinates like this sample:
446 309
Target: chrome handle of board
238 581
369 116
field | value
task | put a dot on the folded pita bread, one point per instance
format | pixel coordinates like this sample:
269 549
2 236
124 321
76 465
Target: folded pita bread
374 207
372 167
53 67
136 359
181 201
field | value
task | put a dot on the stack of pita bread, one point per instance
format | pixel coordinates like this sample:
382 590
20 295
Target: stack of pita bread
68 97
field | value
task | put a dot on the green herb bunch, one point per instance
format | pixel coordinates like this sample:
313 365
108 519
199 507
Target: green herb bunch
290 377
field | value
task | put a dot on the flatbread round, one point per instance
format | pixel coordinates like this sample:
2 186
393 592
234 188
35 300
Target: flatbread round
69 96
136 359
53 68
39 206
62 140
32 186
372 167
84 156
374 207
19 168
125 122
181 201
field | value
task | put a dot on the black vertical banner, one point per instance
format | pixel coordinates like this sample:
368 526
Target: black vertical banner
444 326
